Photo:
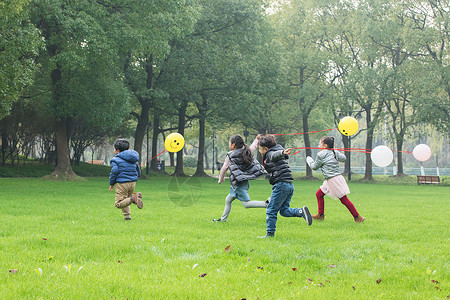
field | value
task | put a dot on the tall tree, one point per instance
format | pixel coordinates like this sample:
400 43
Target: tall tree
144 31
79 60
432 78
306 64
20 43
215 63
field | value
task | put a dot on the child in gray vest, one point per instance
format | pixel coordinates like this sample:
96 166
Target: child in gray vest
243 167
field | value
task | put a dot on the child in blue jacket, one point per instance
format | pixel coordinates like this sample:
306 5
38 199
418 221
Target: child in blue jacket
125 171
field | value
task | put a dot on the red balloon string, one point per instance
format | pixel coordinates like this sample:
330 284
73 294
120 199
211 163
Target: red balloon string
361 150
153 157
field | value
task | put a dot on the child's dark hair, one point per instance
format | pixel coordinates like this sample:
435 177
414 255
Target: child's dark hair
247 155
329 142
268 141
121 145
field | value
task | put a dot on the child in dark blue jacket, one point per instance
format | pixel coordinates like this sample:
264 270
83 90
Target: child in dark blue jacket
125 171
275 162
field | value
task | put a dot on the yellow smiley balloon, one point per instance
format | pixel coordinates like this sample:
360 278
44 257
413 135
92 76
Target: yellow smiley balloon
174 142
348 126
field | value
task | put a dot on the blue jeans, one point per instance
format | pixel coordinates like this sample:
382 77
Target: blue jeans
279 202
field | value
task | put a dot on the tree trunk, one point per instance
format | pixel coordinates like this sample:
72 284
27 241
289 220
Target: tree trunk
368 171
181 124
307 144
4 146
154 162
63 169
399 143
369 144
200 172
172 159
141 127
145 109
206 160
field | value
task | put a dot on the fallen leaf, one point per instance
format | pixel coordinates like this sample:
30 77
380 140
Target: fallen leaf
228 249
259 267
294 269
14 271
328 281
119 261
354 287
320 284
48 258
38 271
436 287
434 281
202 275
310 280
248 259
194 266
331 266
379 280
290 282
44 239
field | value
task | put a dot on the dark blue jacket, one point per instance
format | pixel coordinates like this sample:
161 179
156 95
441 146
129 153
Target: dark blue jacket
276 164
124 167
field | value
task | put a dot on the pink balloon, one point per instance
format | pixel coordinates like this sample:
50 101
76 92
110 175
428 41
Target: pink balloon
422 152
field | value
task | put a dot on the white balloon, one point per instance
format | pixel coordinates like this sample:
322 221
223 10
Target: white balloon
422 152
382 156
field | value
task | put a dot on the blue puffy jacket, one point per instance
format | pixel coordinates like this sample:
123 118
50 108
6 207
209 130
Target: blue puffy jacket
124 167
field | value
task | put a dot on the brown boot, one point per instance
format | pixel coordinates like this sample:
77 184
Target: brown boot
318 217
359 219
137 199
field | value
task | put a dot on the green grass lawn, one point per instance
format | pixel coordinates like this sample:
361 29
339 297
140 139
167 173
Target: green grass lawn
66 240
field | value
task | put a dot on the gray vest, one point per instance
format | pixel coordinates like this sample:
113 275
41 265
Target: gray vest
239 171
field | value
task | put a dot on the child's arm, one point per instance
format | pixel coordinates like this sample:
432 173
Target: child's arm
314 164
224 169
254 145
138 169
114 173
340 157
277 155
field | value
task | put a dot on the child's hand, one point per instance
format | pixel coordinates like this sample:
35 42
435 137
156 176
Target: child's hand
309 160
287 151
220 181
258 137
111 187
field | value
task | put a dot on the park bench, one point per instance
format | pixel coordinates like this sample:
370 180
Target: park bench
428 179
